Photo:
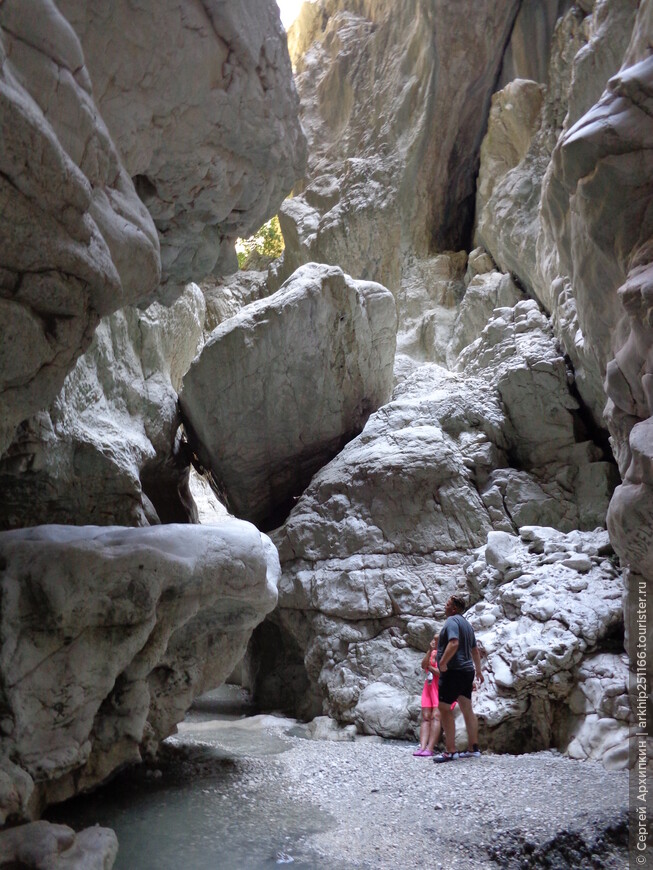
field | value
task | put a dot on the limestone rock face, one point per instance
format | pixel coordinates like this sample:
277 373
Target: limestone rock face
77 242
596 216
40 845
386 172
283 384
389 529
521 208
107 450
108 635
485 291
427 304
375 546
528 52
550 626
200 102
517 353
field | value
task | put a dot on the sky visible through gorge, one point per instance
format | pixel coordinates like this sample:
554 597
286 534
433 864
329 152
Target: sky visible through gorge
289 11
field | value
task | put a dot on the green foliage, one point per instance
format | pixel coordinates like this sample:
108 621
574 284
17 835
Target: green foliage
266 242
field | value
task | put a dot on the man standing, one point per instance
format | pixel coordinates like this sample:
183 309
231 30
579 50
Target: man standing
458 661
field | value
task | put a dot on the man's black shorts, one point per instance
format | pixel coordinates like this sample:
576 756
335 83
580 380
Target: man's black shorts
452 684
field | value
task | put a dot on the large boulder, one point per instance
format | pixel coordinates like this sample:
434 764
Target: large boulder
200 101
107 451
386 532
282 385
107 636
77 242
375 546
550 626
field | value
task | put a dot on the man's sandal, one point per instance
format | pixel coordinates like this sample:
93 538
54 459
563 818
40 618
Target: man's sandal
445 756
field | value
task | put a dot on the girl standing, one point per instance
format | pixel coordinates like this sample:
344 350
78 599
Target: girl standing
429 732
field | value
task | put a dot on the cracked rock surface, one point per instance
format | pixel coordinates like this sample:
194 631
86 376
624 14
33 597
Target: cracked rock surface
107 451
395 524
77 242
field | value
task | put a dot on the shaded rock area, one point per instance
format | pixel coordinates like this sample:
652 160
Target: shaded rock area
41 845
200 102
282 385
77 242
108 635
524 216
107 451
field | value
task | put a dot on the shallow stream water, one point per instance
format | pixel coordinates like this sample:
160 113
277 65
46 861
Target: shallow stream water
204 806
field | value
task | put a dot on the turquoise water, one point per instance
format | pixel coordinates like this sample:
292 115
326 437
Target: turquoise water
205 806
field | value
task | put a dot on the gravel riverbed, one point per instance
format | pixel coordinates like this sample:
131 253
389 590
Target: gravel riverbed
253 792
384 808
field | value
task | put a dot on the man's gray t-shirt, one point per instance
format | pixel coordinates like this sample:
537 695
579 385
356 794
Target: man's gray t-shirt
457 628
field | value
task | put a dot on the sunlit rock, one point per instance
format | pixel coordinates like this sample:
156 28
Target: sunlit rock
387 171
485 291
282 385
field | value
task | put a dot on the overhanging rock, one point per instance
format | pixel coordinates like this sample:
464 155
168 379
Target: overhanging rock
107 634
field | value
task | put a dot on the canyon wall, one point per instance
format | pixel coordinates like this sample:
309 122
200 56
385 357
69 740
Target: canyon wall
561 212
436 388
138 143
